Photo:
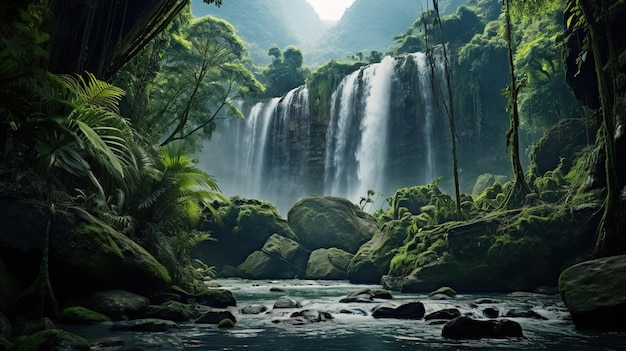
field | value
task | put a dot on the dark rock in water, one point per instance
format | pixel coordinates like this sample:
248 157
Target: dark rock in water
144 325
285 302
159 298
119 304
215 317
171 310
147 341
353 311
329 263
338 223
446 291
523 313
468 328
411 310
277 289
367 295
254 309
226 323
491 312
82 315
593 291
218 298
305 317
440 297
53 339
447 314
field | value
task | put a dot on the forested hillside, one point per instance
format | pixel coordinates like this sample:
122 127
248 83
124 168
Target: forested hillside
274 23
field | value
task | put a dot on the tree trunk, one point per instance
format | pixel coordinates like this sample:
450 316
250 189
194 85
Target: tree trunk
517 194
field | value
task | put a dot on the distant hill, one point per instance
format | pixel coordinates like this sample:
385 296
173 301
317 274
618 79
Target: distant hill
365 26
371 25
266 23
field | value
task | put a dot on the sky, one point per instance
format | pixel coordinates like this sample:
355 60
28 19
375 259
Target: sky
330 9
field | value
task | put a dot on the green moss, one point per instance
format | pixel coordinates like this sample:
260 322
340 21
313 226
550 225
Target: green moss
52 339
82 315
321 84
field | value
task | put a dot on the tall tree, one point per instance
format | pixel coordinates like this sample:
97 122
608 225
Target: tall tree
202 75
595 19
449 107
520 188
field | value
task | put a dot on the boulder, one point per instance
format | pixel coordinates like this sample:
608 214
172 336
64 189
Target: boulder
241 229
328 264
218 298
254 309
119 304
446 314
489 254
523 313
367 295
171 310
86 255
215 317
151 325
286 302
260 265
561 144
82 315
409 310
305 317
324 222
491 312
445 291
593 292
280 257
372 259
52 339
468 328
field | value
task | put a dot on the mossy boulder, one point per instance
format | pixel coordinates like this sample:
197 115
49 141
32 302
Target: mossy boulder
372 260
279 257
170 310
86 255
119 304
329 263
325 222
593 292
485 181
52 339
509 251
241 229
98 257
82 316
561 143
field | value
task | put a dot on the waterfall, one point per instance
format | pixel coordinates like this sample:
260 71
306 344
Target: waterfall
385 130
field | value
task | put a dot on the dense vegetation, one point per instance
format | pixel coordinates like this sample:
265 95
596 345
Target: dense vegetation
73 142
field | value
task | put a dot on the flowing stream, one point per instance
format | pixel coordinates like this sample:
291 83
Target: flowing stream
353 327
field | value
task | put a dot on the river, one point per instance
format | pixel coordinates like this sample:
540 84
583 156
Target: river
358 330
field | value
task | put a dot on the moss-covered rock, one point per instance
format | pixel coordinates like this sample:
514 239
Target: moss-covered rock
593 291
119 304
324 222
485 181
52 340
240 229
86 255
372 260
279 257
508 251
82 315
101 258
328 264
170 310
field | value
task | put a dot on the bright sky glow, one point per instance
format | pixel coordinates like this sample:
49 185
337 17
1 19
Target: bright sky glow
330 9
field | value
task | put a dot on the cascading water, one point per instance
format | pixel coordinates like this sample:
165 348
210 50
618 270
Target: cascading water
385 131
